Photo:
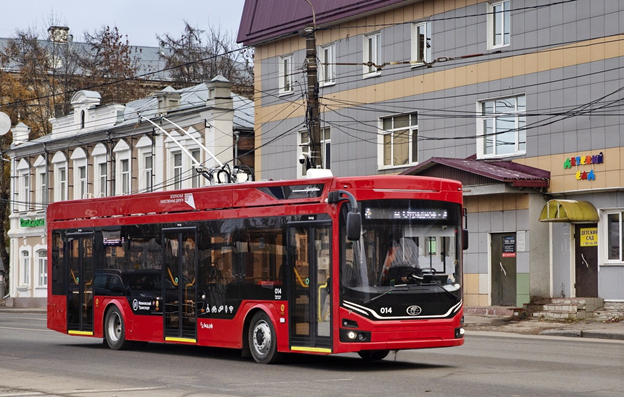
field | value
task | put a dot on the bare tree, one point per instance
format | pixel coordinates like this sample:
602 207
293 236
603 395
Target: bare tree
199 56
111 65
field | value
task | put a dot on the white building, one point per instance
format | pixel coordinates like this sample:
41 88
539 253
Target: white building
111 150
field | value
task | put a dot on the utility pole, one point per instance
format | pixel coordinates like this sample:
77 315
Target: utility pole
313 112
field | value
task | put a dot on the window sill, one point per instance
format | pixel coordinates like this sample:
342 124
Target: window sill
329 84
500 156
612 264
395 167
371 75
285 93
498 47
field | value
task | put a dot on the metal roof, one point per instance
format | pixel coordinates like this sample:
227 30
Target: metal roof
265 20
518 175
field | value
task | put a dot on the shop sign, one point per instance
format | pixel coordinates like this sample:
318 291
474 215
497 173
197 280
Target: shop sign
589 237
581 161
32 222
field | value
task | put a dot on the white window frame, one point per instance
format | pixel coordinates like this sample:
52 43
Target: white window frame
421 49
327 65
196 177
303 152
495 118
81 186
176 167
100 185
286 74
148 171
124 167
25 265
42 262
326 147
60 176
41 184
146 164
371 53
22 203
499 11
391 134
123 156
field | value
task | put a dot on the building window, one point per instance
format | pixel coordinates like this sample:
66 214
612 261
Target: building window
59 175
177 171
149 172
103 171
327 67
125 176
62 175
501 127
285 74
196 176
372 54
399 140
326 147
24 195
82 182
303 153
42 259
25 268
499 26
421 43
43 190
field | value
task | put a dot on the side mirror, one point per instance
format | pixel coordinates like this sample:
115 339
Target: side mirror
354 226
465 239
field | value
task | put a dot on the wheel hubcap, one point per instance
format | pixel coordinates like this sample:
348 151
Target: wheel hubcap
114 328
262 338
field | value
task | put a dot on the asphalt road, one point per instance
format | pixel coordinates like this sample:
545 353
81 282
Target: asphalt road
36 362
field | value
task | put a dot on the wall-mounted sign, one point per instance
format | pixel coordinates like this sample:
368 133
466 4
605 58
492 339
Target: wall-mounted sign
589 237
581 161
32 222
509 246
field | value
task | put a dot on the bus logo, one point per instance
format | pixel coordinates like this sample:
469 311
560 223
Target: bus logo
414 310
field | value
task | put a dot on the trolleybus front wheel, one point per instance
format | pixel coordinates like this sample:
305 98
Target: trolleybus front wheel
373 355
262 340
115 330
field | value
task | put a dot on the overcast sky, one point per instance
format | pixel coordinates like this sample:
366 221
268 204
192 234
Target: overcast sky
140 20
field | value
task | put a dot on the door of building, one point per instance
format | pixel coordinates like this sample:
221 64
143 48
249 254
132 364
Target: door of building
503 259
179 287
309 296
586 260
80 284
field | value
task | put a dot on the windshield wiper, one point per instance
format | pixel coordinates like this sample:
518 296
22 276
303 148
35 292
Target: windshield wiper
404 287
443 289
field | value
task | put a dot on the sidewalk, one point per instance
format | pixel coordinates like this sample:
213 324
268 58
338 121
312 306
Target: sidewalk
530 326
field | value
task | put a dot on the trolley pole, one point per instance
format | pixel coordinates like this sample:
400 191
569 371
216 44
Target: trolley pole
314 125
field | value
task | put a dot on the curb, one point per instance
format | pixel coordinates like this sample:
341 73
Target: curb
584 334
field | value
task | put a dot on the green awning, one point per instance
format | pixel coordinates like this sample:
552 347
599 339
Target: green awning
570 211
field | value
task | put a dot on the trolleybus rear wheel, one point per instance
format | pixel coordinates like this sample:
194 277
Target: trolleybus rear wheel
373 355
115 330
262 340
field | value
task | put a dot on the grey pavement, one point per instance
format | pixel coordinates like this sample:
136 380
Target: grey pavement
488 323
588 328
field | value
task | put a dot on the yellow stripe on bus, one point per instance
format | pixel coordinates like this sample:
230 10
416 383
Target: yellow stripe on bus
186 340
71 332
310 349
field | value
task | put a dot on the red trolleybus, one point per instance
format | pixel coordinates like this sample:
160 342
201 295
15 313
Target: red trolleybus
321 266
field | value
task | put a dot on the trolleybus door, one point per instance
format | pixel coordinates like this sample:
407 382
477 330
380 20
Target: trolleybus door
80 284
309 292
179 286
